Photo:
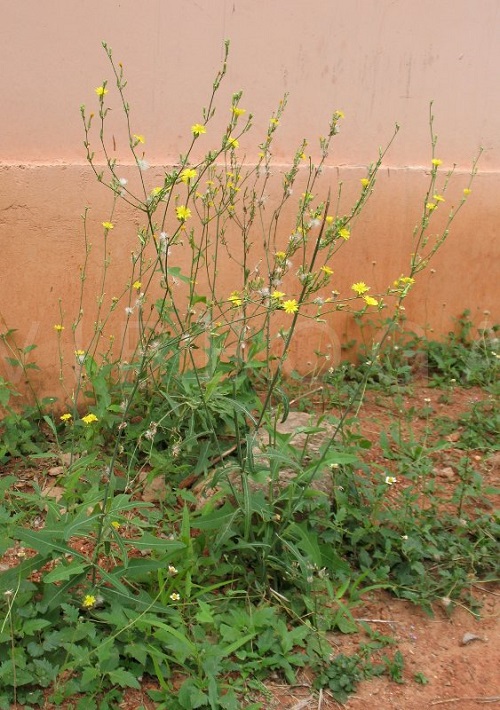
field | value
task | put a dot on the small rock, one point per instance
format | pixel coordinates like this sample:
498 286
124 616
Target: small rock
468 638
56 471
446 472
153 491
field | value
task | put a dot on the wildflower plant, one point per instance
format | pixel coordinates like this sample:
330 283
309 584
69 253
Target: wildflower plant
181 376
207 363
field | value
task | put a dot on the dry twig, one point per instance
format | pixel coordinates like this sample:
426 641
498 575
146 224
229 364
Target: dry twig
477 699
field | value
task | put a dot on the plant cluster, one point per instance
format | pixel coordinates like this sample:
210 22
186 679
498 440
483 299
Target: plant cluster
209 594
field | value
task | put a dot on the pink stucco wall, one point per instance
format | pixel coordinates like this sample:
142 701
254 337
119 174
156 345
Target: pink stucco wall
380 61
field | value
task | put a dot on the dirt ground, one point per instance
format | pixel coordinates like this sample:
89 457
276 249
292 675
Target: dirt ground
456 654
461 674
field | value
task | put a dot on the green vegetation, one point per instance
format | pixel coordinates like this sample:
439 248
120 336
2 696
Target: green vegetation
173 531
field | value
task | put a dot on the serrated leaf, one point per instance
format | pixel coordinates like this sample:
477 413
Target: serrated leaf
46 672
190 696
124 679
15 676
137 651
89 675
204 616
35 649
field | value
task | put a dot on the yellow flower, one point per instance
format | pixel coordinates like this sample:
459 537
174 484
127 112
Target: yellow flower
115 524
326 270
101 91
88 601
274 122
198 129
365 182
329 219
404 281
175 597
431 206
467 191
438 198
370 301
360 288
235 299
188 174
79 354
65 417
58 328
339 114
138 138
183 213
108 225
390 480
89 419
344 233
290 306
238 111
137 285
277 294
436 162
233 143
280 255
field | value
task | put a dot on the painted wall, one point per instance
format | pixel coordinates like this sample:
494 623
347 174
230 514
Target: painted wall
380 61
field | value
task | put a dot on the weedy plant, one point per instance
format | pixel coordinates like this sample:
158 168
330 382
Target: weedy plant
206 599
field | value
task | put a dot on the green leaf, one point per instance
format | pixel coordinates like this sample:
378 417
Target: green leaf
190 696
124 679
204 616
64 571
50 423
32 625
13 361
229 650
151 542
89 675
4 395
339 457
167 633
345 624
307 541
46 672
176 273
198 299
15 676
